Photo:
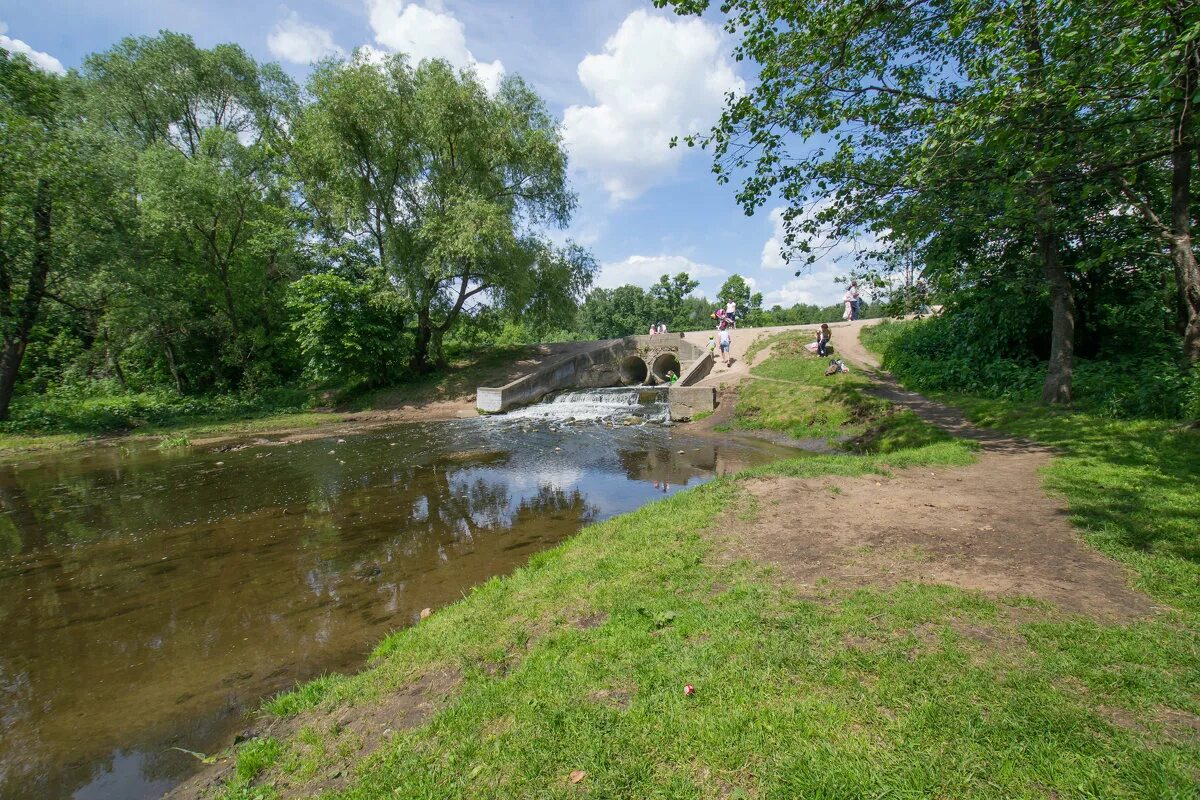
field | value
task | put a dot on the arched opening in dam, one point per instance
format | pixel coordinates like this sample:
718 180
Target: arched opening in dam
633 371
665 363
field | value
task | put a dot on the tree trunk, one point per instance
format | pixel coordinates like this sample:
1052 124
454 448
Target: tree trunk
10 364
1057 388
420 360
172 366
14 344
1183 256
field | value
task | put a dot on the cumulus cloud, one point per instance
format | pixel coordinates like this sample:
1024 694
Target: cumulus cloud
300 42
43 61
817 282
428 31
658 77
646 270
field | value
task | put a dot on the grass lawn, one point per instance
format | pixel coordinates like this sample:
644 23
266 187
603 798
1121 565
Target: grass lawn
567 678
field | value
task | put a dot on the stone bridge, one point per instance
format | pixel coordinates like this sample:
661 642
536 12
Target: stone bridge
631 361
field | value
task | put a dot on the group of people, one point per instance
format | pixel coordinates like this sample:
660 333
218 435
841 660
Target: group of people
726 319
658 327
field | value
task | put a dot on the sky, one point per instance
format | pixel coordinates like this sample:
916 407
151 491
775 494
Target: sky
621 76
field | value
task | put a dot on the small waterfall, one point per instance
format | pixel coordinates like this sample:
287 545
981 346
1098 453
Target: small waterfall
619 405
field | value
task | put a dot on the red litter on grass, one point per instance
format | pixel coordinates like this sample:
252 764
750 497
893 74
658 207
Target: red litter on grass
689 690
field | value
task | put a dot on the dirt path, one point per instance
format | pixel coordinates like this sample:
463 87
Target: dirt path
989 527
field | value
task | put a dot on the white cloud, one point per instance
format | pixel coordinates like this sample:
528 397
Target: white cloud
817 282
658 77
300 42
428 31
646 270
43 61
772 257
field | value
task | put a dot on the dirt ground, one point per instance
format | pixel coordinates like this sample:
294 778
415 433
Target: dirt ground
989 527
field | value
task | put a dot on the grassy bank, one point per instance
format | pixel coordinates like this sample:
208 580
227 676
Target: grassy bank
46 423
567 678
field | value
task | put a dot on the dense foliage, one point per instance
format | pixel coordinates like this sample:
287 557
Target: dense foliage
189 222
1034 160
941 354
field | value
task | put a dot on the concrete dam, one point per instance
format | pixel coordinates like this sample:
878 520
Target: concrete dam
644 360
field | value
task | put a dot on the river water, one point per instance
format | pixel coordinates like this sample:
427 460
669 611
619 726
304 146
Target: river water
150 598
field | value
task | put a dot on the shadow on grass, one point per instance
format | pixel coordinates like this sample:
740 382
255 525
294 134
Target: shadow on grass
1132 485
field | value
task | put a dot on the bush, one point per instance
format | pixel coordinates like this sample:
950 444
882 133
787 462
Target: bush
931 356
69 412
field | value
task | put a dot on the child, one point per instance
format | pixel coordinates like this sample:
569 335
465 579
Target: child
712 345
726 344
823 337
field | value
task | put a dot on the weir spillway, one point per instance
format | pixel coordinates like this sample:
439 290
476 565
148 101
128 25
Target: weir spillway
647 360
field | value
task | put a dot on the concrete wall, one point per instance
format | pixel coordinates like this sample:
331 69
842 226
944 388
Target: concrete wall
698 371
687 401
587 370
593 368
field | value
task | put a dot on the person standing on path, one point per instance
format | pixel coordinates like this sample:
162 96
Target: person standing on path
731 311
726 344
851 299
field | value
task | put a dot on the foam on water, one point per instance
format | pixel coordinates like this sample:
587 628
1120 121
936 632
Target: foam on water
616 404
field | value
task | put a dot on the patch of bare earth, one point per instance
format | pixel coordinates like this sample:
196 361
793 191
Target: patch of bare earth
987 527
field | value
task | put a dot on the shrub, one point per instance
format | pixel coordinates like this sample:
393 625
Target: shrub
69 412
930 356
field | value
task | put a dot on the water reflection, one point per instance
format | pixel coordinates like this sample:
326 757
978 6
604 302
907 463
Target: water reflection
147 599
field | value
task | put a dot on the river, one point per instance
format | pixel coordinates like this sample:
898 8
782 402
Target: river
150 598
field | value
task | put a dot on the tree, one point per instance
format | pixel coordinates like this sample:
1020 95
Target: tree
749 304
669 299
57 183
347 329
29 123
447 182
612 313
212 233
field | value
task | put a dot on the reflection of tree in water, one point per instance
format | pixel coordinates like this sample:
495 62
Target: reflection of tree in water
554 503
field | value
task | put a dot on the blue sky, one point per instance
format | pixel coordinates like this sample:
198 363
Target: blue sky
622 76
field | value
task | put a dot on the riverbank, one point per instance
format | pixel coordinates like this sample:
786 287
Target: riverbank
901 621
446 396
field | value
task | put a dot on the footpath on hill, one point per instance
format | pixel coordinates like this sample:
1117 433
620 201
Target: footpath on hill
990 526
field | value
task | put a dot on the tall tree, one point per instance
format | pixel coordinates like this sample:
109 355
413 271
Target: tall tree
56 183
213 232
669 296
863 107
448 182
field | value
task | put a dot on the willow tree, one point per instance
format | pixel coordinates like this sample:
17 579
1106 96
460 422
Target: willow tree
449 185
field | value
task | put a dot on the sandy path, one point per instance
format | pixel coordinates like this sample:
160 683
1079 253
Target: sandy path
989 527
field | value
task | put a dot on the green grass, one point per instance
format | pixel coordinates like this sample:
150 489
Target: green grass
918 691
846 694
